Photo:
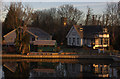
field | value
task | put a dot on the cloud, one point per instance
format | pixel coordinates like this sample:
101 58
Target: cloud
89 4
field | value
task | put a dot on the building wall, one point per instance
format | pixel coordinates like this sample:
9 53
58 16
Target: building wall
10 37
74 39
44 38
87 42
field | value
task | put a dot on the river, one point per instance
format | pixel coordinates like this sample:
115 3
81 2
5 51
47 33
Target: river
52 68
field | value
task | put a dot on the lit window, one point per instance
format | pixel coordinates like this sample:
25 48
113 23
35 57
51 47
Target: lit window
81 29
65 23
101 41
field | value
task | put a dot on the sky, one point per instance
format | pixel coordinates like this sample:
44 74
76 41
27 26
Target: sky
98 6
60 0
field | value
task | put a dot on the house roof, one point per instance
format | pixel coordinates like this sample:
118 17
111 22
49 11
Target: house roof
11 66
91 31
38 32
77 28
88 31
9 33
44 42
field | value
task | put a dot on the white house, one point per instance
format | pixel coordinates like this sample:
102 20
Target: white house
96 36
75 36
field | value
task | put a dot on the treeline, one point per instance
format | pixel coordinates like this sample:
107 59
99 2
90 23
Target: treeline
58 21
53 20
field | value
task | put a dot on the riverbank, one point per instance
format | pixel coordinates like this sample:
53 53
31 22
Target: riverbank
11 56
84 61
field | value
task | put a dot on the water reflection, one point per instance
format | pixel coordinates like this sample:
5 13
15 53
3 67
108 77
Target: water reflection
16 70
41 68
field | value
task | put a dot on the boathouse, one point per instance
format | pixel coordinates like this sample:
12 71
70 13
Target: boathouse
44 46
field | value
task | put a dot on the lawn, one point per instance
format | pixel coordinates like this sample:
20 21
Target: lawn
88 51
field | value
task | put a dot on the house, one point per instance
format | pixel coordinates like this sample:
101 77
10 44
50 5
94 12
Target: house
35 34
92 36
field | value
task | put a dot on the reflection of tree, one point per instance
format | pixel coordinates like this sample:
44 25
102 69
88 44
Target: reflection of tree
22 71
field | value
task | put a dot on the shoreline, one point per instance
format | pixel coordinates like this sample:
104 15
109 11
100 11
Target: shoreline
12 56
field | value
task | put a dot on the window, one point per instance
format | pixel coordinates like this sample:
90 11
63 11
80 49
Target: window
78 41
73 41
104 29
105 41
81 29
69 40
101 41
3 38
33 39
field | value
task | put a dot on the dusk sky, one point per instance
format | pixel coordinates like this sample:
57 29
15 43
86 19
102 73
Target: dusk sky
98 6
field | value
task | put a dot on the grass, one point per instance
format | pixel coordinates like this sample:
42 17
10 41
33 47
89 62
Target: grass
89 51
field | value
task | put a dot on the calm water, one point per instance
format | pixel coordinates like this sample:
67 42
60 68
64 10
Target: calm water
77 68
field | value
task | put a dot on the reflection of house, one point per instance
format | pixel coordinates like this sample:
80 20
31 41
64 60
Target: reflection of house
35 34
11 66
36 73
88 35
101 70
42 69
73 70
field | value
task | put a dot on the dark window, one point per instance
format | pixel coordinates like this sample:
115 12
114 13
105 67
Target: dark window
73 41
33 39
105 41
104 29
69 40
3 38
78 41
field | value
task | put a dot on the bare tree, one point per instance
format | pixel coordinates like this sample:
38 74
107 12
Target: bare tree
89 14
113 12
19 16
72 14
113 21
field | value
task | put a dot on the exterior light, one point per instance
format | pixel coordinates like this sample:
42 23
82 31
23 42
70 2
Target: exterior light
65 23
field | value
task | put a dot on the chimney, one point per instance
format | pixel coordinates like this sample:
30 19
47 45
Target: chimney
80 24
